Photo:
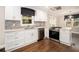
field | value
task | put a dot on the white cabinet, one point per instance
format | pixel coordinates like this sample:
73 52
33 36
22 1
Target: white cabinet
18 39
65 36
34 35
10 38
20 36
14 40
27 36
40 15
12 13
8 13
17 13
31 36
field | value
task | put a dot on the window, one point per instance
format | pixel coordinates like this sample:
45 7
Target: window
26 19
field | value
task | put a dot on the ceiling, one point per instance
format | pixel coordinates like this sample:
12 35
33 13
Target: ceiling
43 8
59 10
64 10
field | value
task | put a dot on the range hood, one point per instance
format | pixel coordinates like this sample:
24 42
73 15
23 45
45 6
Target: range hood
27 11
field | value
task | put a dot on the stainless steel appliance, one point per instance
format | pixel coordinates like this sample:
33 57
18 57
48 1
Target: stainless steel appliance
54 33
40 34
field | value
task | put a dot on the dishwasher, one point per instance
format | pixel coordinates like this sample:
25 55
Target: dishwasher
41 34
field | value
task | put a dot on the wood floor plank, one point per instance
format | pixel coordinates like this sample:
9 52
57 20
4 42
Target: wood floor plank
46 45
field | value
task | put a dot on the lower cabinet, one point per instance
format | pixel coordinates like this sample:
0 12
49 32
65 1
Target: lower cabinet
30 36
65 36
18 39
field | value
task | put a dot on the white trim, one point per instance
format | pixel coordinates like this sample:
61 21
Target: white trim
2 46
55 40
65 43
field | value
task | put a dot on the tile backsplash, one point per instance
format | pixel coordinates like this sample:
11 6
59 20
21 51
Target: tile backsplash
39 23
10 24
15 24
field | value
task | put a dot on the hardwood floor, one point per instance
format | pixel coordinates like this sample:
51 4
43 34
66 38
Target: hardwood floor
46 45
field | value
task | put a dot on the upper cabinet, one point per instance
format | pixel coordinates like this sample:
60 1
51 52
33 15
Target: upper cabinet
12 13
27 15
40 15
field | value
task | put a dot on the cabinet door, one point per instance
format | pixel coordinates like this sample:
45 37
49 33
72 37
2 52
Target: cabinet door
34 35
44 16
31 36
12 13
40 16
8 13
27 36
20 36
37 17
14 40
10 36
65 36
17 13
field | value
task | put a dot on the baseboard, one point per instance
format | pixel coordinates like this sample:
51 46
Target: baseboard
46 38
54 40
65 43
2 46
22 45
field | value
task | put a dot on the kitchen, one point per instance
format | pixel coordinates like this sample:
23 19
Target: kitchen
31 24
23 26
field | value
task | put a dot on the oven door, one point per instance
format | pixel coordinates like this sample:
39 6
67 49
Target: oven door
54 34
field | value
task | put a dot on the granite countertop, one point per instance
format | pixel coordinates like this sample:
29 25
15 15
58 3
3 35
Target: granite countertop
20 29
11 30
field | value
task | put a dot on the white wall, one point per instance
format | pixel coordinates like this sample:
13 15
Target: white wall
2 15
